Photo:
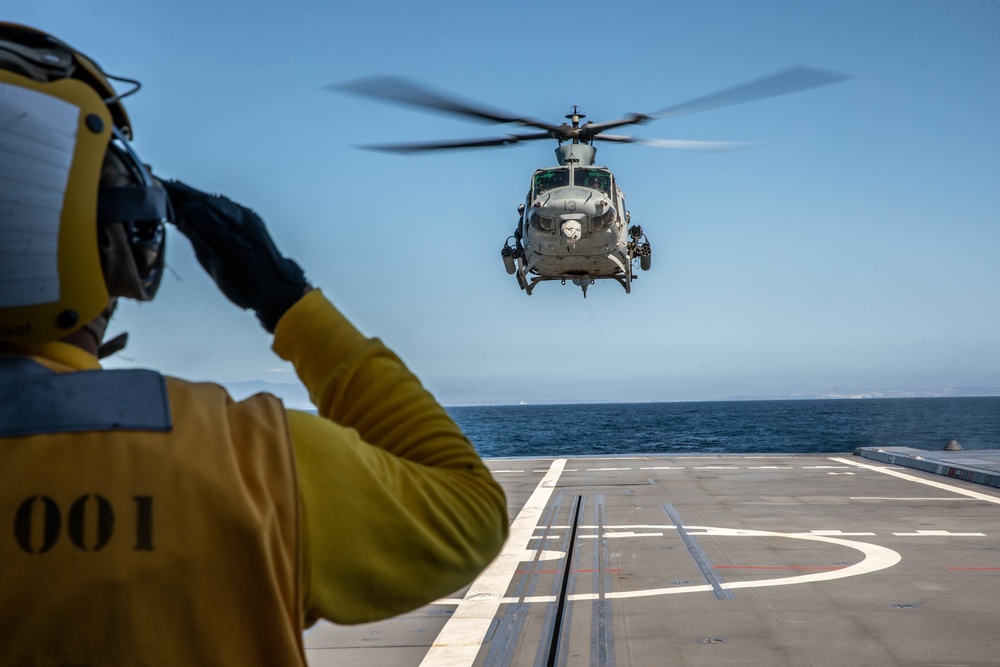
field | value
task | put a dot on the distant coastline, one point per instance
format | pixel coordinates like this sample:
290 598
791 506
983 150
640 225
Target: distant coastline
459 398
295 395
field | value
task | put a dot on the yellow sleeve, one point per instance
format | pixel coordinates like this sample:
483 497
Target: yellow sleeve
398 509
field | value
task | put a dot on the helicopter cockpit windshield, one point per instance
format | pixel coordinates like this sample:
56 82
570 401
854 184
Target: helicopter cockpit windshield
595 179
547 179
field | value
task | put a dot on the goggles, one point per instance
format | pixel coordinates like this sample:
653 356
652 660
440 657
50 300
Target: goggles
142 207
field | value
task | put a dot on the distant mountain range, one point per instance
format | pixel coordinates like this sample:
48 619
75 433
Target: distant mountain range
296 397
456 398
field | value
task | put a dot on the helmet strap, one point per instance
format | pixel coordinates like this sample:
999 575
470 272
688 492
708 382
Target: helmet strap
98 326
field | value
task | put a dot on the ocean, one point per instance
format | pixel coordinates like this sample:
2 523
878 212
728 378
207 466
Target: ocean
730 427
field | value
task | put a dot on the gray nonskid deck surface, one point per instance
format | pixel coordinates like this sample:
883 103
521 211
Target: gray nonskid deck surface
825 560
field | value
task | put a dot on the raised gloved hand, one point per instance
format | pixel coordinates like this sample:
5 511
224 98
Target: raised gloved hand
232 244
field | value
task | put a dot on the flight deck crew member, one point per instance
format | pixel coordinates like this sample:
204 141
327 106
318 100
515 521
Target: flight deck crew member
150 520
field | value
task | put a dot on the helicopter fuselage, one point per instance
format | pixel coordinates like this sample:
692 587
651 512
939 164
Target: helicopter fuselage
575 230
574 226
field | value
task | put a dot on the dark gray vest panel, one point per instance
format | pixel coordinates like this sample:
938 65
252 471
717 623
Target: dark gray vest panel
34 400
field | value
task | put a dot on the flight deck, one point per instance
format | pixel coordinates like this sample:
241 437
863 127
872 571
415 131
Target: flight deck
889 556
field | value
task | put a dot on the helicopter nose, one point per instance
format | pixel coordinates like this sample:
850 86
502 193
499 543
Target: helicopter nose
571 231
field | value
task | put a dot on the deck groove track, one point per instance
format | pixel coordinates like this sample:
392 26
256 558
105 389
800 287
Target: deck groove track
558 637
700 557
602 648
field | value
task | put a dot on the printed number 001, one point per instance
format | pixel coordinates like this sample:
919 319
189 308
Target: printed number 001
76 522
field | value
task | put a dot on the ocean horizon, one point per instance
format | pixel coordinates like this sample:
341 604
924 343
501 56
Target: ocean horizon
730 426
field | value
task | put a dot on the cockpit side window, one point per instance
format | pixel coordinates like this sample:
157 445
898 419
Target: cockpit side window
550 178
595 179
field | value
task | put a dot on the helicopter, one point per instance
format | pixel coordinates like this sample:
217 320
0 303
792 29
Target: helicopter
573 224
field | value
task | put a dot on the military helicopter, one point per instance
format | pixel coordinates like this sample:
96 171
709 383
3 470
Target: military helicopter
573 225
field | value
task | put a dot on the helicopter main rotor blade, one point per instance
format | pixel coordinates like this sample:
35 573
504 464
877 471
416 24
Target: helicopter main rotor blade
791 80
404 91
508 140
683 144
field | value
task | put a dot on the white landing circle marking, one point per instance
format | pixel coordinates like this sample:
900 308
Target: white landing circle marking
528 555
876 558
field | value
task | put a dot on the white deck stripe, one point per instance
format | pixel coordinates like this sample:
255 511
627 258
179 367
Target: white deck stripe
912 478
459 641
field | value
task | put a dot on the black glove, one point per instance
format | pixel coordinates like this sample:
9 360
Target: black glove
232 244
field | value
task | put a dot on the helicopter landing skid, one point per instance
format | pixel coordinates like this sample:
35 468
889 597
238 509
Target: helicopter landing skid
583 282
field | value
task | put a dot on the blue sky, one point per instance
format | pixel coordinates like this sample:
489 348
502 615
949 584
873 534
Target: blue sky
857 250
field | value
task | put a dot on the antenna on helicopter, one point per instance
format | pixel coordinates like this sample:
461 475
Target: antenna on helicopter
574 118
